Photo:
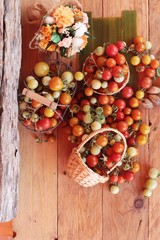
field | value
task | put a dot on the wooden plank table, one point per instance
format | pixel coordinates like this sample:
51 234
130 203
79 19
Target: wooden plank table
51 206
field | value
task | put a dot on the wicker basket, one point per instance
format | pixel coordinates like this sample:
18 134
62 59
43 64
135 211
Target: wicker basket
39 96
87 82
80 172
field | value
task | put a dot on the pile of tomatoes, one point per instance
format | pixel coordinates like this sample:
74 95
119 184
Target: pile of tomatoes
145 64
91 112
106 69
54 82
104 151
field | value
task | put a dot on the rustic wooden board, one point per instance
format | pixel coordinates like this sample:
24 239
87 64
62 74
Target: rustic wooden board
51 205
10 62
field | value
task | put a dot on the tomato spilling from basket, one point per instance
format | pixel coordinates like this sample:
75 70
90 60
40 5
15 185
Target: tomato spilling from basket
106 69
48 93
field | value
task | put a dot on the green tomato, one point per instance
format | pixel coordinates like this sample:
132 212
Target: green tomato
153 173
41 69
151 184
67 77
147 193
114 189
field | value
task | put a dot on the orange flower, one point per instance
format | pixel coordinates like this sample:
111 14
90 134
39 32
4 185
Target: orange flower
46 31
43 43
63 16
51 48
84 37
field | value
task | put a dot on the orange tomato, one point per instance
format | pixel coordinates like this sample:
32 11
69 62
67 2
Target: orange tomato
102 141
56 84
111 62
101 61
73 121
135 167
107 110
65 98
140 47
77 130
88 91
154 63
133 102
138 39
120 59
36 104
53 122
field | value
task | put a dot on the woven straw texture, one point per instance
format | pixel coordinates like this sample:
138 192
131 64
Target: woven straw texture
80 172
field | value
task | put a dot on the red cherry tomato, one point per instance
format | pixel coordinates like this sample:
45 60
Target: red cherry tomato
118 147
127 92
113 178
120 45
116 157
131 141
80 115
111 62
120 179
120 59
103 99
111 50
92 160
122 126
113 86
128 176
150 72
89 69
109 152
109 163
43 124
146 82
85 102
119 116
120 103
117 71
106 75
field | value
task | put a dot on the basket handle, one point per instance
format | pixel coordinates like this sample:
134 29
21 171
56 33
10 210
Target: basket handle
39 98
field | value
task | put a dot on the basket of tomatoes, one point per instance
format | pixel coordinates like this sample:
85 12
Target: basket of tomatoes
47 95
90 163
106 69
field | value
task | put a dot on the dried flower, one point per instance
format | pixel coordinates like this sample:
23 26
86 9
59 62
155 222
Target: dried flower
66 42
64 30
63 16
80 29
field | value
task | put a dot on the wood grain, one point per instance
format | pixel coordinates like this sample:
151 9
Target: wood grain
154 115
10 62
51 205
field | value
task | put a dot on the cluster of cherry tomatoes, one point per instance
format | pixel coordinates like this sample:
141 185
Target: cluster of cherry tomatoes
106 69
151 182
104 151
54 82
145 64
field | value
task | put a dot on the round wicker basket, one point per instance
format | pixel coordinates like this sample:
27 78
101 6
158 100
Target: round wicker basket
80 172
107 92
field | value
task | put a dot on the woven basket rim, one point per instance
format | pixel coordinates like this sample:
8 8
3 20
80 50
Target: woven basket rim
77 151
125 81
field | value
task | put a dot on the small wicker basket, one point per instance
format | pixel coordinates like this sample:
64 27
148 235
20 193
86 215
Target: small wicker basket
87 82
80 172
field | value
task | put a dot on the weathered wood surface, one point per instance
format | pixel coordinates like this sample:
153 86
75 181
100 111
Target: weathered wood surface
10 62
51 206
